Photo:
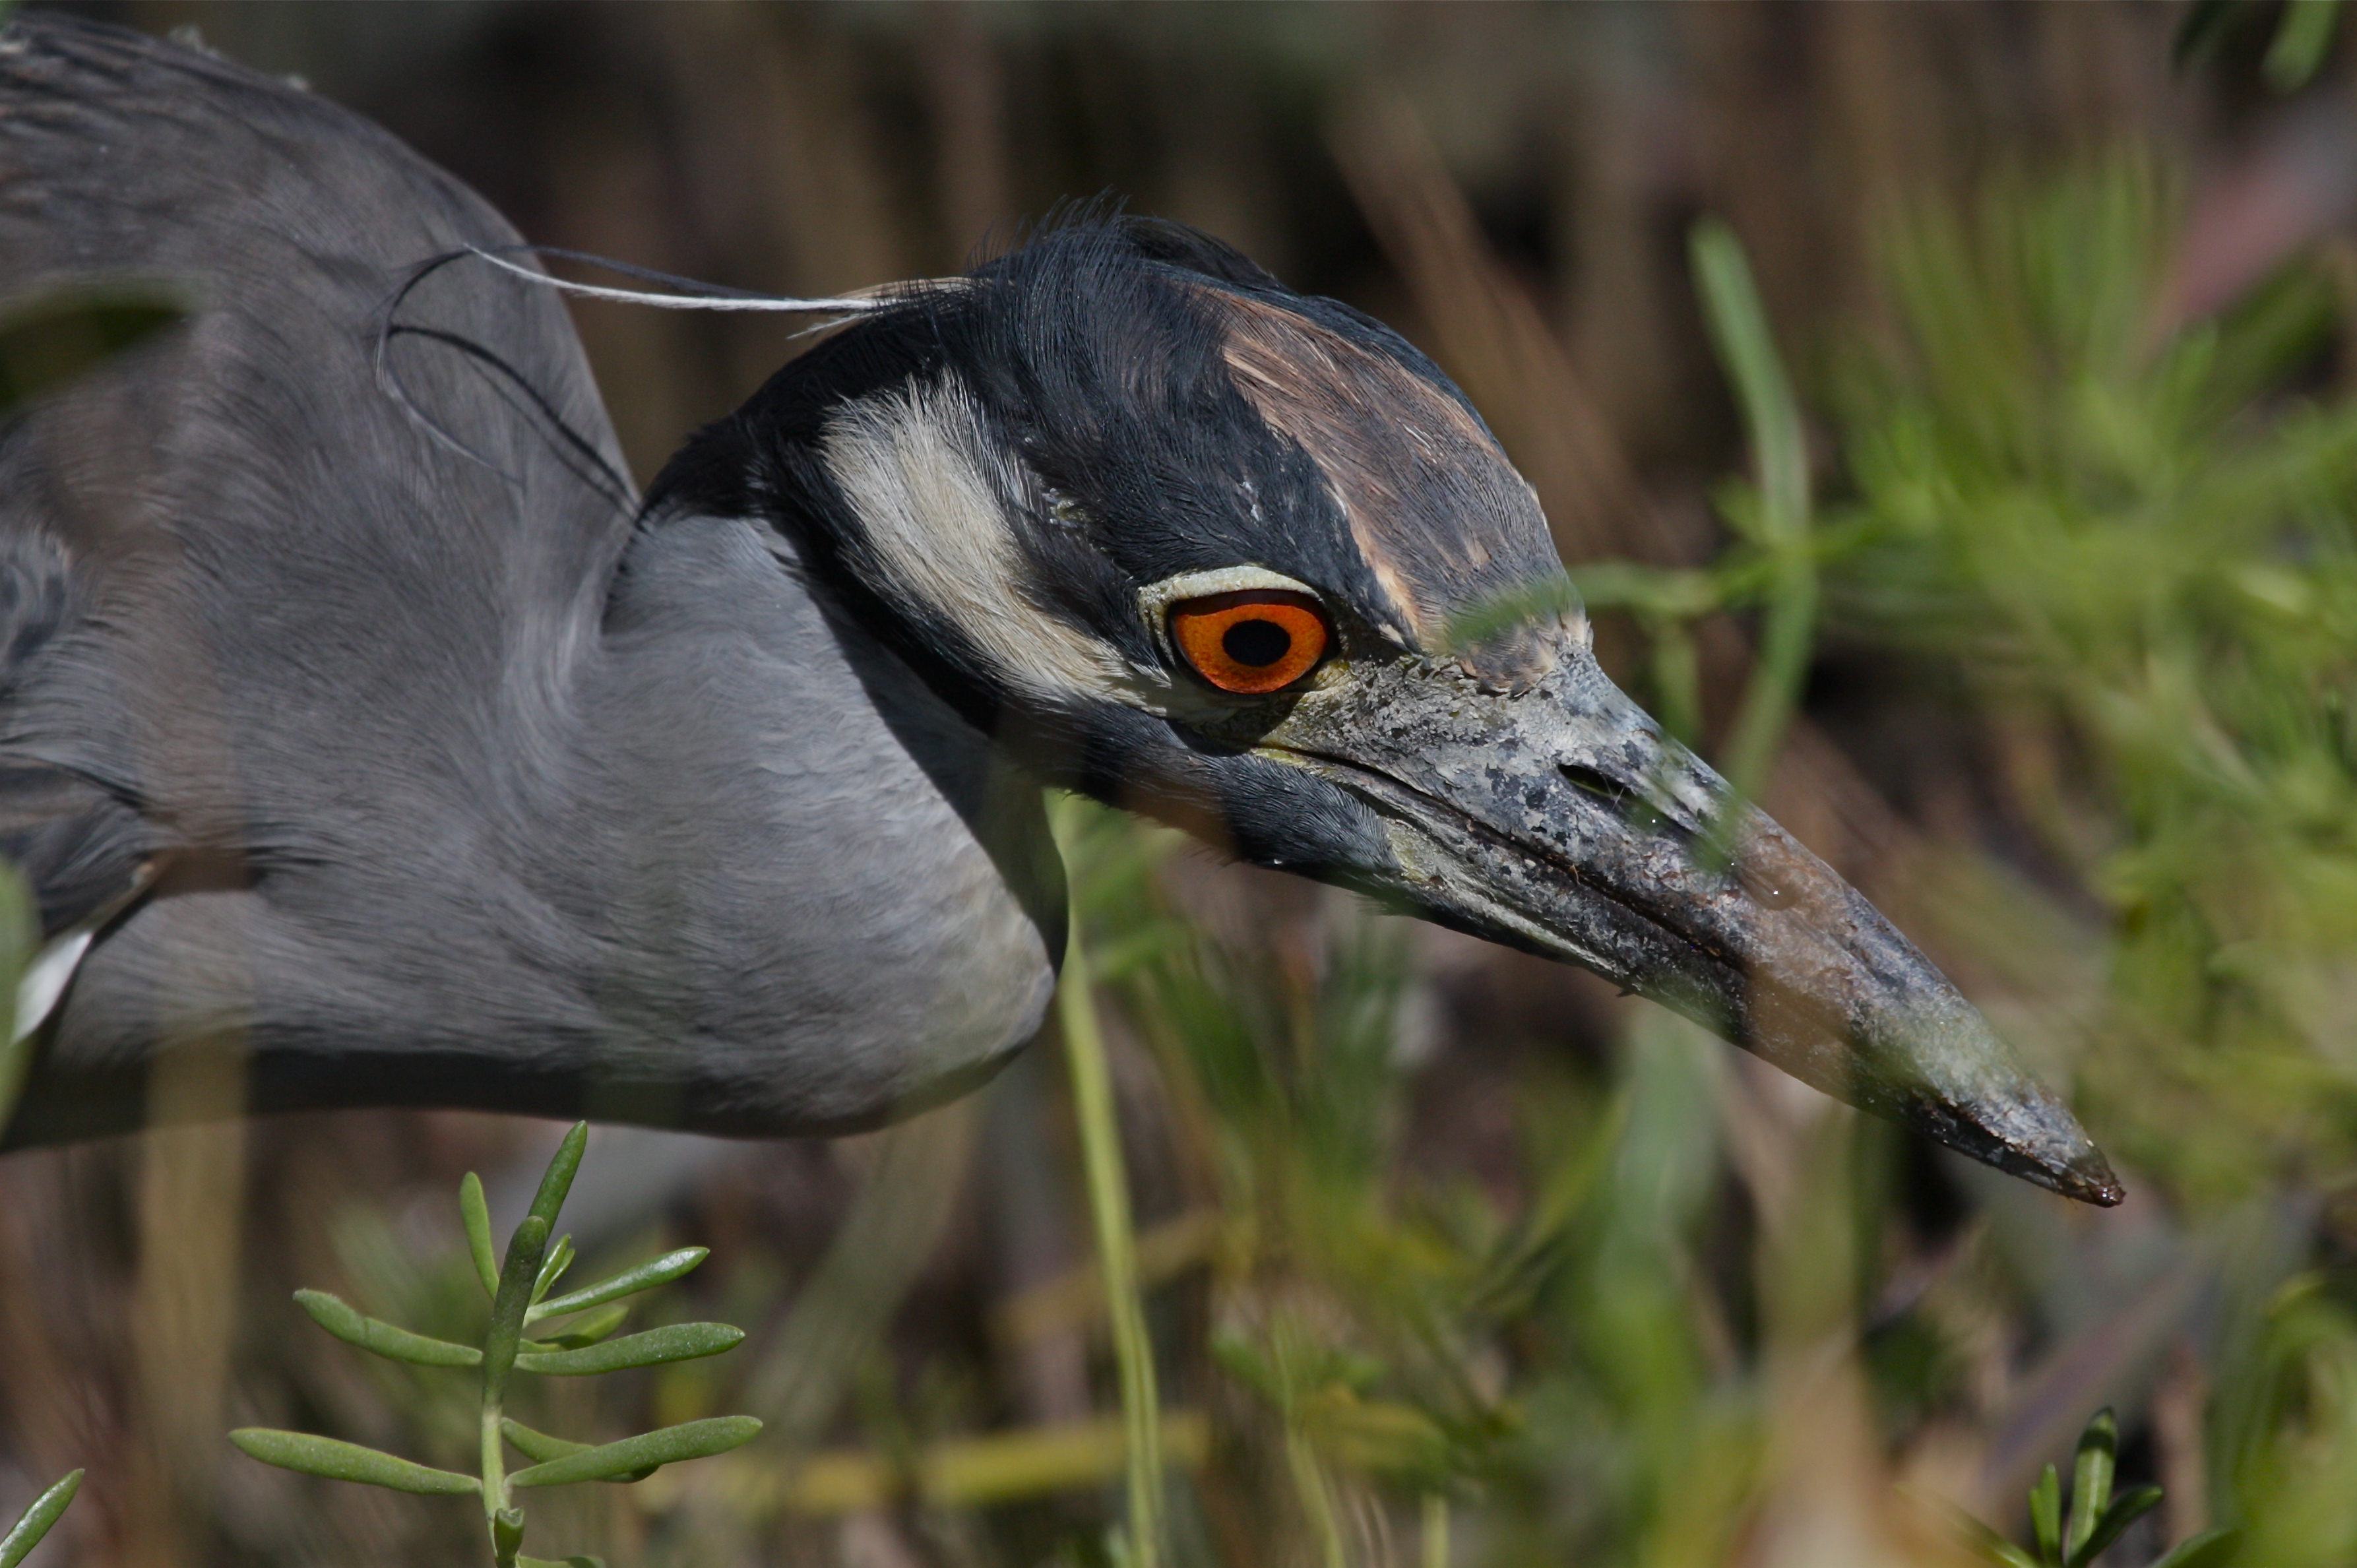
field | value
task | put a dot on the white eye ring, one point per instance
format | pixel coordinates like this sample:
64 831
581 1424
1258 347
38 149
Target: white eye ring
1154 600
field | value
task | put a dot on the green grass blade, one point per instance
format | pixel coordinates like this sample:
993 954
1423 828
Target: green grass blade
340 1318
1675 592
2046 1515
558 1181
476 1214
679 1342
1771 419
2090 1483
349 1462
2126 1510
20 942
49 338
634 1458
1108 1190
629 1282
47 1510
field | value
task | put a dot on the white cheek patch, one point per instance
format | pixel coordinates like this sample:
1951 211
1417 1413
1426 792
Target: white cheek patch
915 468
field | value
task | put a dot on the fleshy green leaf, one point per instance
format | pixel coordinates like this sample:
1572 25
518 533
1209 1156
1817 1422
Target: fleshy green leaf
560 1258
354 1327
50 338
2090 1483
635 1457
629 1282
2211 1549
2126 1510
477 1213
507 1534
349 1462
47 1510
2046 1515
558 1181
680 1342
522 1266
1989 1545
588 1331
524 1561
538 1446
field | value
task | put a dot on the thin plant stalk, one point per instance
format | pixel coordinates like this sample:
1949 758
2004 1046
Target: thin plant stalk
20 932
1771 420
1108 1184
1316 1502
1435 1553
1677 678
526 1252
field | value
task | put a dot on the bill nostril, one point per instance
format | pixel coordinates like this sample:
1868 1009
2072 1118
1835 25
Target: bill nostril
1637 811
1600 785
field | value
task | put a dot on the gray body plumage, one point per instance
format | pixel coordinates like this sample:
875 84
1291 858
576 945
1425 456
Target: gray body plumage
425 746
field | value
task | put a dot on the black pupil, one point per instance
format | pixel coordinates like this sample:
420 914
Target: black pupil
1256 643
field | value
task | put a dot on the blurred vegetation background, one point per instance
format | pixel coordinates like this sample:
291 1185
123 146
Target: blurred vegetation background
1452 1257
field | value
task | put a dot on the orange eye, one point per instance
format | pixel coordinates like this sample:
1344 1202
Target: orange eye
1253 641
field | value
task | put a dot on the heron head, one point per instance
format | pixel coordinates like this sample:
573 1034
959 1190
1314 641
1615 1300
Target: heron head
1243 559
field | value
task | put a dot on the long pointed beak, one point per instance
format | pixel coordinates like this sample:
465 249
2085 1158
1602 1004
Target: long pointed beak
1561 821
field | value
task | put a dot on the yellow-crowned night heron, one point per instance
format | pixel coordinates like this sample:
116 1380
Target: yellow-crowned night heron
362 715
